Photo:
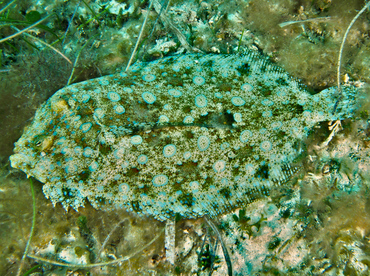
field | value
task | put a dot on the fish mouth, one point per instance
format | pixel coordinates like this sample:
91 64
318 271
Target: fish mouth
23 157
21 161
28 164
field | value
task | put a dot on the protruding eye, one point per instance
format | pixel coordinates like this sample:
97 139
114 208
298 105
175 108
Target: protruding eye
38 143
43 142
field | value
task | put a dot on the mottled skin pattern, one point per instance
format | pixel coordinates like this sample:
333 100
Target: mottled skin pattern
190 134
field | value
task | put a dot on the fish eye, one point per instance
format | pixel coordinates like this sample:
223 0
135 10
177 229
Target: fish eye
37 141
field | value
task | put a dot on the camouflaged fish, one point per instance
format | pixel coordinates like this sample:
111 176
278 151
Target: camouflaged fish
190 135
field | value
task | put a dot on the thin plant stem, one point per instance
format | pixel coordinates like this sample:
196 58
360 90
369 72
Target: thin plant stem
70 21
46 44
341 52
32 269
107 238
168 24
224 248
139 37
87 5
76 60
25 29
32 228
163 8
284 24
41 259
7 6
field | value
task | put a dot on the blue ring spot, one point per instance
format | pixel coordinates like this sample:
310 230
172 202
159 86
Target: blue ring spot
142 159
218 95
276 125
266 146
237 101
175 93
225 145
119 109
71 168
219 166
149 77
301 102
125 164
187 154
249 168
136 140
262 130
93 166
128 89
160 180
85 98
199 80
61 141
104 82
99 113
88 152
307 113
245 135
114 97
188 120
148 97
169 150
118 153
247 87
176 67
267 102
203 143
124 188
78 150
266 114
194 186
86 127
163 119
237 117
201 100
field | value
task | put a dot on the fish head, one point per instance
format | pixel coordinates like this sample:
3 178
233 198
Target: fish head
34 143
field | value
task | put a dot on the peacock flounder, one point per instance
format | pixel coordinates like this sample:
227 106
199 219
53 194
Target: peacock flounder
190 135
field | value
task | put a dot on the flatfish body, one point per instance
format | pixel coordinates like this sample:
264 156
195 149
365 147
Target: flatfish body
189 134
